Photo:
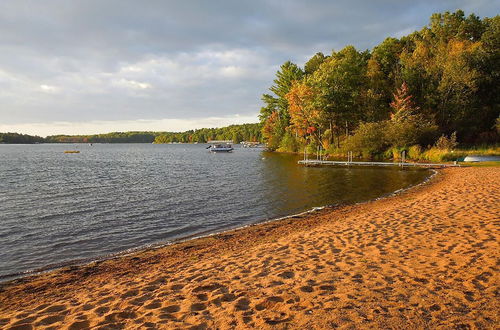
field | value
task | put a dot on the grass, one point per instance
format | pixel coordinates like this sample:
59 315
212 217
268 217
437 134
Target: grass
444 155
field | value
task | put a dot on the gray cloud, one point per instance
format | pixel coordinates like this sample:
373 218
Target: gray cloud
82 61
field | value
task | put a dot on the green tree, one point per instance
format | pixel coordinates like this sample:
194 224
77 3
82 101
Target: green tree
277 105
339 82
314 63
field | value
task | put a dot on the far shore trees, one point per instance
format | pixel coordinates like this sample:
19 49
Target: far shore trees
237 133
20 138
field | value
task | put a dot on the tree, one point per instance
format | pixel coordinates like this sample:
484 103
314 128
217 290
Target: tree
369 139
451 66
339 82
403 106
407 126
314 63
278 105
271 131
304 116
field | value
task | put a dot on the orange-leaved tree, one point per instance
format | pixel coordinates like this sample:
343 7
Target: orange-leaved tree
304 115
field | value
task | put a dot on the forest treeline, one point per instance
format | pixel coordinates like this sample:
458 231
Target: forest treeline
436 87
237 133
20 138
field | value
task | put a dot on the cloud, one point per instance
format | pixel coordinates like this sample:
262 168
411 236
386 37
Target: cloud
49 88
133 84
123 60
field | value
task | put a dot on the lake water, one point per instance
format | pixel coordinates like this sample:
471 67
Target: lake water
56 208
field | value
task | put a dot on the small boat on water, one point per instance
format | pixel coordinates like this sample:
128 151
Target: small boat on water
220 146
72 152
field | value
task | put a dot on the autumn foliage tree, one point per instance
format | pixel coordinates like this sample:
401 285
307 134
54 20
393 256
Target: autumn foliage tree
439 80
304 116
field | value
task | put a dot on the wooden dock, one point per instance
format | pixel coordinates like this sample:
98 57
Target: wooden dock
315 162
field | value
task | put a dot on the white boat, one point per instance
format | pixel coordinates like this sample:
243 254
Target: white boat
482 159
220 146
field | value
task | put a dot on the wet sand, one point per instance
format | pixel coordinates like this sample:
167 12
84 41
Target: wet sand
426 258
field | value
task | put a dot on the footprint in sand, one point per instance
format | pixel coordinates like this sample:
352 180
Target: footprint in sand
177 287
100 311
242 304
21 327
50 320
140 300
269 302
287 275
171 309
202 296
208 287
327 287
54 309
277 319
79 325
197 307
306 288
130 293
153 305
228 297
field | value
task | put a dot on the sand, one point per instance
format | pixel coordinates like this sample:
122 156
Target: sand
426 258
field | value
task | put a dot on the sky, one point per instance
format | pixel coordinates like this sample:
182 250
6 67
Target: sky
96 66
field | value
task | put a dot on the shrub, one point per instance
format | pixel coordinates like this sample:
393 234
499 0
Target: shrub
288 143
410 132
369 139
415 152
334 152
394 153
444 143
443 155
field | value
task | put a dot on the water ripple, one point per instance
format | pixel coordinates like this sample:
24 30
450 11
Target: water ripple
56 208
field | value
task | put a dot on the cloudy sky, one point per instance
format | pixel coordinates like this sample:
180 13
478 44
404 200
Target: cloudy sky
93 66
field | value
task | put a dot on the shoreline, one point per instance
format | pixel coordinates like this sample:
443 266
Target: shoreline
292 272
5 279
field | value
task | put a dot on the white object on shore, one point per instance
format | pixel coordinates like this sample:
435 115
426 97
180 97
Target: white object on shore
482 159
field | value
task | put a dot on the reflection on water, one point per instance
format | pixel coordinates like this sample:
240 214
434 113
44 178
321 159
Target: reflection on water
307 187
57 207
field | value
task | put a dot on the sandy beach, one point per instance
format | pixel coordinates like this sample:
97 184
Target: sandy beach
425 258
